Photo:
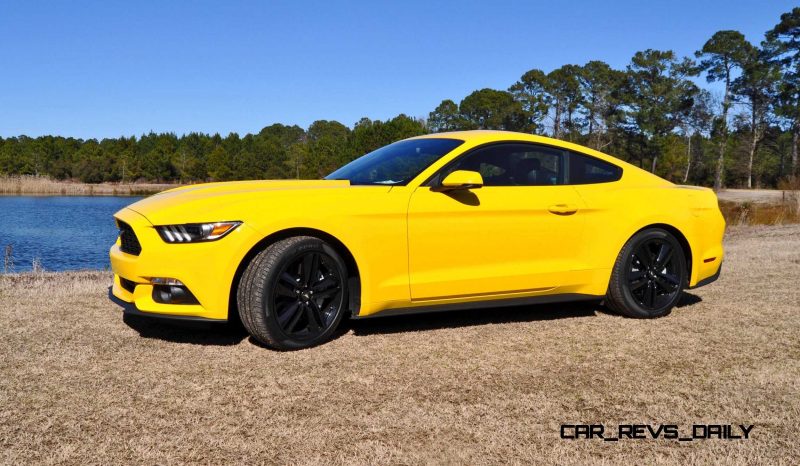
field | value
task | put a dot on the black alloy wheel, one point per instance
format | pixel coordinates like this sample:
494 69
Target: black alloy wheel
293 294
649 275
653 276
307 295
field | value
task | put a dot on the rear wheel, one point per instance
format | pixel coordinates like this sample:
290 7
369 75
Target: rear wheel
292 294
648 276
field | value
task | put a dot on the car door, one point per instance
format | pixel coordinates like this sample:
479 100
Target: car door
518 234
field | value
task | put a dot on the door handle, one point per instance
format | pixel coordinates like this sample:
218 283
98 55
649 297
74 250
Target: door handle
562 209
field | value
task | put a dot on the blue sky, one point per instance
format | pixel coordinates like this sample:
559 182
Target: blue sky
111 68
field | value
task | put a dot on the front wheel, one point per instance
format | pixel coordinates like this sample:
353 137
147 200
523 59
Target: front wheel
649 275
292 294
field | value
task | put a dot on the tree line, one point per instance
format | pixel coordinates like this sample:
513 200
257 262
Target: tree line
654 113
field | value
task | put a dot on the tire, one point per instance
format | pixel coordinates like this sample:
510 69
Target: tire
649 275
292 295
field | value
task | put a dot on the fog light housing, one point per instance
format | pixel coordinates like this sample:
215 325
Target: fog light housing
172 294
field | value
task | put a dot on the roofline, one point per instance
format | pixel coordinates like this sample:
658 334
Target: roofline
479 137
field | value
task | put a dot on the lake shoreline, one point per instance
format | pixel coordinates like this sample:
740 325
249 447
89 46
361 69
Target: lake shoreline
57 232
29 185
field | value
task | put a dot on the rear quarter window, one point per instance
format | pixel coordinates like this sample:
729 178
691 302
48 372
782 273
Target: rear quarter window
589 170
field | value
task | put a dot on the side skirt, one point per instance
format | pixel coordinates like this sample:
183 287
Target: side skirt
488 304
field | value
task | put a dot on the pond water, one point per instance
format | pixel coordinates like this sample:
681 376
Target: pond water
60 232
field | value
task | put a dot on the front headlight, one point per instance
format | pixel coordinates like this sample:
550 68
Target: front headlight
195 232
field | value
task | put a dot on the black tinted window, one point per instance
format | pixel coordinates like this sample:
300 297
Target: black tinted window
587 170
395 164
513 165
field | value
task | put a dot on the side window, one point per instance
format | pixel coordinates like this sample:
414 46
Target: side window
514 165
588 170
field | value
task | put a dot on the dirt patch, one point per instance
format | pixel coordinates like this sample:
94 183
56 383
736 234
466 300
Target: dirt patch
80 385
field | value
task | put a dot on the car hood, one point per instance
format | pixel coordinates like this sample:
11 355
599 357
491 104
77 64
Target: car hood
210 202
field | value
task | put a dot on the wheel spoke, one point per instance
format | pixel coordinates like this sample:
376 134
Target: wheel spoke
650 294
635 285
310 268
672 279
324 303
288 279
289 315
325 284
318 311
666 286
664 255
281 289
326 293
315 265
290 328
314 319
643 254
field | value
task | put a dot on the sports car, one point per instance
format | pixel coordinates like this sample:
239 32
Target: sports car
442 221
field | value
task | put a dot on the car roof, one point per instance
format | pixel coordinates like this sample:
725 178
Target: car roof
478 137
482 136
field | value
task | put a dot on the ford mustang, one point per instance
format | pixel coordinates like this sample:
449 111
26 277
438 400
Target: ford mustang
442 221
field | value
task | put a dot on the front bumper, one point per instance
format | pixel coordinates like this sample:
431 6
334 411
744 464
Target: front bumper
207 270
131 309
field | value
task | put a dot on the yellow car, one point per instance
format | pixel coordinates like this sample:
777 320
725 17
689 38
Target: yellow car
442 221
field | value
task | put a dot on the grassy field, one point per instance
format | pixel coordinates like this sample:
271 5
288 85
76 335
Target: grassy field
39 185
80 385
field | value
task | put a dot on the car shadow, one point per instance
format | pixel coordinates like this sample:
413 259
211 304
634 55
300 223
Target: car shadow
195 333
474 317
687 299
233 333
487 316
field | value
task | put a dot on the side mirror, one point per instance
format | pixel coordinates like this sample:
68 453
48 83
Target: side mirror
461 179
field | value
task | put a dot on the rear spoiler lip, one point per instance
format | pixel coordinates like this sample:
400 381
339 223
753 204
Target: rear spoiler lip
692 187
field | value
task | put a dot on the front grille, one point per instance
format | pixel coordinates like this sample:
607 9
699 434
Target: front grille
129 243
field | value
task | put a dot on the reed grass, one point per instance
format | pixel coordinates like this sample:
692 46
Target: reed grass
755 213
30 184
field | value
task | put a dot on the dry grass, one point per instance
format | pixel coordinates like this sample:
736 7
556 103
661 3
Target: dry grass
78 385
760 206
28 184
757 213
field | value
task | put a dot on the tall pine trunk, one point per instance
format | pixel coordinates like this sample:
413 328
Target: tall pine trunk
557 122
688 159
795 138
723 143
753 144
654 147
756 138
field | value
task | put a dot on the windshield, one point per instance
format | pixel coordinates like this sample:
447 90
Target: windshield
395 164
